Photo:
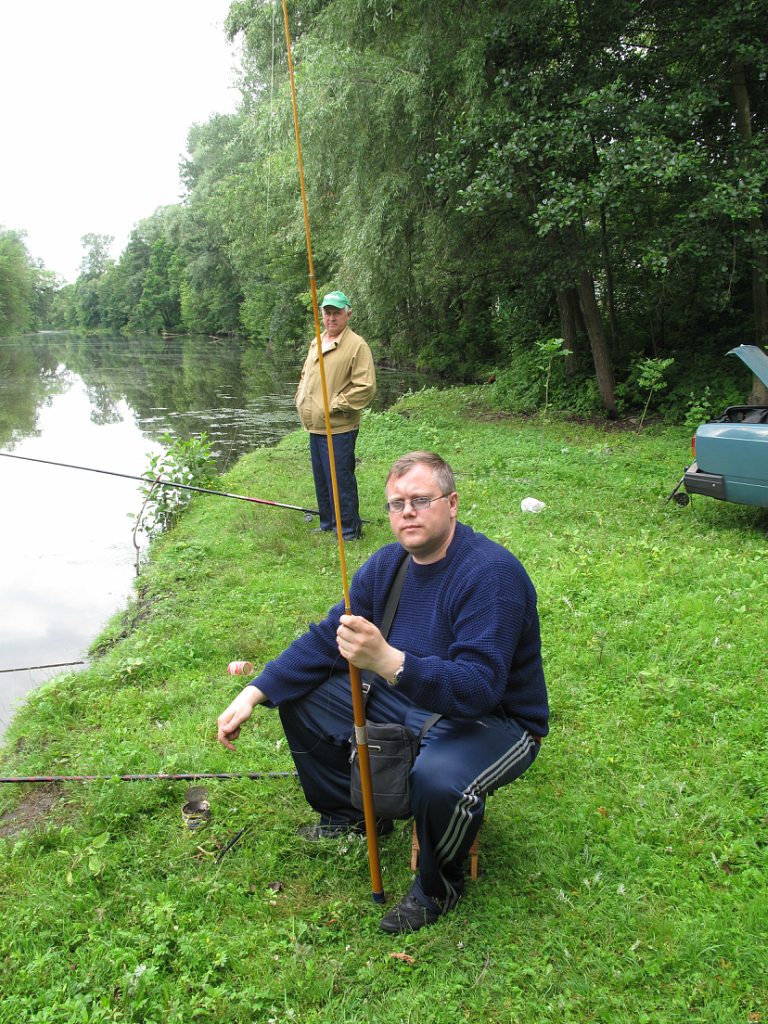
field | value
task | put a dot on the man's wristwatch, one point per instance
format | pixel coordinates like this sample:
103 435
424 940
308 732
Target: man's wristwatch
398 674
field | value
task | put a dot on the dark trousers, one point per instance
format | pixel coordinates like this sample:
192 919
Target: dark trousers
344 460
459 763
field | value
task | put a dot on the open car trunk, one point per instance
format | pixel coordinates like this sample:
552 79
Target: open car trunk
731 454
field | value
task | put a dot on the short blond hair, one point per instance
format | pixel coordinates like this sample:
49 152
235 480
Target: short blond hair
441 471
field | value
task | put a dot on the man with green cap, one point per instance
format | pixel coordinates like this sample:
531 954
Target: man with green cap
350 379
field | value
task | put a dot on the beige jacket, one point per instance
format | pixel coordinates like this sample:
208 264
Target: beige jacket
350 379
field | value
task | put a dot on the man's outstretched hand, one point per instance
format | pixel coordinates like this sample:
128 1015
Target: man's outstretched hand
239 711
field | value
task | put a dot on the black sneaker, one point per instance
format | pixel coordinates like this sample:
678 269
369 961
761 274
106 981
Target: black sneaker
408 916
312 833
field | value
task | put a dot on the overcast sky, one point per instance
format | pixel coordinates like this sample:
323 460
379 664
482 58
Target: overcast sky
97 100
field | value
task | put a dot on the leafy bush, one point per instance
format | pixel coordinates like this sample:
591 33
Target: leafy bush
517 388
537 379
699 410
723 381
652 377
189 462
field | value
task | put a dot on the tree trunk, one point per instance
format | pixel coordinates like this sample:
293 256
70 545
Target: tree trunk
601 357
568 306
607 265
608 269
759 395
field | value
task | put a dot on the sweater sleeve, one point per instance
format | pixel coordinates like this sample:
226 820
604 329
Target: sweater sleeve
314 656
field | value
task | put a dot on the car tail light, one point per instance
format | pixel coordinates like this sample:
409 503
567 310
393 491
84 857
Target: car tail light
693 446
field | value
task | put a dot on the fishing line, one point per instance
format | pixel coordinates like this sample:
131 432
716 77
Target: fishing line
137 524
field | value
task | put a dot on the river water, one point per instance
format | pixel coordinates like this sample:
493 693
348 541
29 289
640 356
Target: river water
68 554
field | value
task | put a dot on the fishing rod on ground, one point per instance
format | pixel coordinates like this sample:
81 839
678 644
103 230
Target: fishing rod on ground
355 678
309 513
148 777
235 668
33 668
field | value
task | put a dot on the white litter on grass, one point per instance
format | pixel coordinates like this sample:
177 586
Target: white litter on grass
135 978
532 505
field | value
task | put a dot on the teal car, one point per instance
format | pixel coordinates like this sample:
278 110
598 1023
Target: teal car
731 454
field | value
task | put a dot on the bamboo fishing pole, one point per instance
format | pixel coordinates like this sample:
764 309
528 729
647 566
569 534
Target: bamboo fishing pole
355 679
308 512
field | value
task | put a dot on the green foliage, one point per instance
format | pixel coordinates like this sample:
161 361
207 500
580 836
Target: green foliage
651 377
96 259
186 461
159 306
537 379
17 281
548 351
651 373
87 856
708 373
699 410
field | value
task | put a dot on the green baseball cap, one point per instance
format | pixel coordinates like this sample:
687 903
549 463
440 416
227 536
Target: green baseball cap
337 299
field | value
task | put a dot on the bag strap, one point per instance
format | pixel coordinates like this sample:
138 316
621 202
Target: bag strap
428 725
393 597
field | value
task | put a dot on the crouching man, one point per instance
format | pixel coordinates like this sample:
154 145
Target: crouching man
464 643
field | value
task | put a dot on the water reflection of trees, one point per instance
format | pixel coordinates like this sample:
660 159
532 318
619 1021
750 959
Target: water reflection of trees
178 384
154 377
30 375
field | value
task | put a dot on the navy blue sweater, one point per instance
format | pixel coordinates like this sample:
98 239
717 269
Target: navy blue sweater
468 625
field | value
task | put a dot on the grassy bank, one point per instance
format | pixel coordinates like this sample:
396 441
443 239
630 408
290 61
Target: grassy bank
622 880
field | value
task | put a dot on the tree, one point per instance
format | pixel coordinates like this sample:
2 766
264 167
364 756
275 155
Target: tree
96 259
159 308
16 283
45 285
215 174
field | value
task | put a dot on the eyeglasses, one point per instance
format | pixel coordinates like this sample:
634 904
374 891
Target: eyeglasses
418 504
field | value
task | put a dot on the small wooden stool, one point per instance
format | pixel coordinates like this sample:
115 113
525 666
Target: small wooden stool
474 853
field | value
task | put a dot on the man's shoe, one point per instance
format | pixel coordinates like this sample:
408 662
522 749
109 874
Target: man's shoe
408 916
312 833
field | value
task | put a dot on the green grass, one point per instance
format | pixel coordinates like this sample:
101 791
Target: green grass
623 879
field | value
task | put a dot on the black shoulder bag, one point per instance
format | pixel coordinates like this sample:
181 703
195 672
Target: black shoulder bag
392 748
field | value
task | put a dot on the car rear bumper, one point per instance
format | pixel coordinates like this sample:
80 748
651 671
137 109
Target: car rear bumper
710 484
726 488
